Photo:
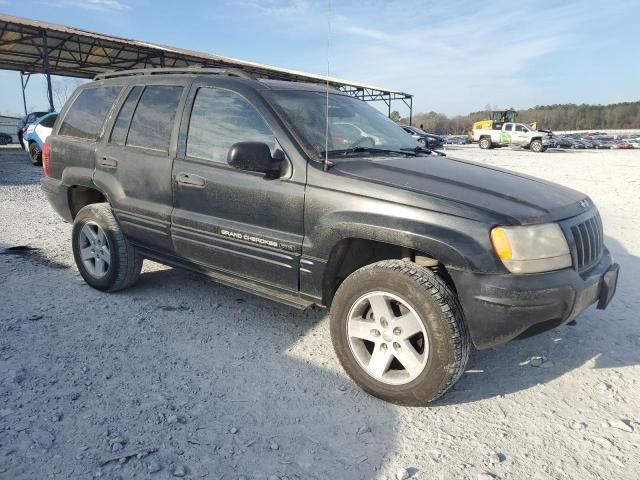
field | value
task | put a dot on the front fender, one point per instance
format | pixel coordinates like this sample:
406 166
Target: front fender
456 243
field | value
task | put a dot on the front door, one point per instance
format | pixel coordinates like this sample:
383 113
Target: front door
133 164
227 220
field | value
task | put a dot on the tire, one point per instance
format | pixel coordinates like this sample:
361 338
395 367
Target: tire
3 141
536 146
441 343
485 143
124 263
35 154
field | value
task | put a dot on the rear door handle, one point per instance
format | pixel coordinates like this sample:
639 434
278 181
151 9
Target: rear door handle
190 180
108 162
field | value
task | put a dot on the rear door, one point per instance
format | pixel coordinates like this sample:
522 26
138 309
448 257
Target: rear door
133 165
232 221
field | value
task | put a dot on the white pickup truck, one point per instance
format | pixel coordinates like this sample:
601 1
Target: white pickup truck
512 134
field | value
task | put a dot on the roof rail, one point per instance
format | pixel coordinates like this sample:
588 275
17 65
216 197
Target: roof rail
231 72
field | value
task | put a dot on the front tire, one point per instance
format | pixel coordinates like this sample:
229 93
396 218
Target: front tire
485 143
536 146
35 154
105 258
399 332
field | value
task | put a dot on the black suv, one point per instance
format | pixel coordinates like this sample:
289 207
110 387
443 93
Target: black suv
417 254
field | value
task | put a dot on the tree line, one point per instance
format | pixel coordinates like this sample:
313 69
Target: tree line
550 117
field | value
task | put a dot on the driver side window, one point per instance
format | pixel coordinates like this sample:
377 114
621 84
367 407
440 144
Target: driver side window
220 118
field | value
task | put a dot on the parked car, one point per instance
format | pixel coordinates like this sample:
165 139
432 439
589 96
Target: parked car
5 138
418 258
428 140
621 144
25 121
36 135
603 144
457 140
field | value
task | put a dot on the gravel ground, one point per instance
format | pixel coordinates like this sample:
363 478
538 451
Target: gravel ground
181 377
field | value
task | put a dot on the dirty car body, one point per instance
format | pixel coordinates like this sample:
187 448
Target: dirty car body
294 233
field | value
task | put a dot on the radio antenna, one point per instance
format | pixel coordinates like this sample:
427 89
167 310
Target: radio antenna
326 131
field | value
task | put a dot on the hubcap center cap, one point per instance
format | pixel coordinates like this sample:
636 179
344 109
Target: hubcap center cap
387 336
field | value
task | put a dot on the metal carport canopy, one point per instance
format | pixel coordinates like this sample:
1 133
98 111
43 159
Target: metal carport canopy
31 46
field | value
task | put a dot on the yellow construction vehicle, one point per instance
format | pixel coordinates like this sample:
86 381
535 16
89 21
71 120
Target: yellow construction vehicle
496 119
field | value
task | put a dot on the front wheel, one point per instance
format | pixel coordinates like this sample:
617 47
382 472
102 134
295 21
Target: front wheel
399 332
105 258
536 146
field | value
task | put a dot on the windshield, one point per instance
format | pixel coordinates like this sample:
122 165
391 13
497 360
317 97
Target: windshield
352 123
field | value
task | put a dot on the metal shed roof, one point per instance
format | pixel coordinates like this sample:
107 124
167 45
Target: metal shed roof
30 46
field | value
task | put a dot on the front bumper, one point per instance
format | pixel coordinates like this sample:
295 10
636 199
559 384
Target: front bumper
501 307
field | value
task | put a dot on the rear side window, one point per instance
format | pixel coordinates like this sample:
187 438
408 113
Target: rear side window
49 121
154 116
508 127
88 112
219 119
121 127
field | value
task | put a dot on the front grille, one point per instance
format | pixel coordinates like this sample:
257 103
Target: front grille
589 242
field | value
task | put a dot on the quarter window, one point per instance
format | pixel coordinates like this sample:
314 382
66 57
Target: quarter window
49 121
88 112
153 119
121 127
219 119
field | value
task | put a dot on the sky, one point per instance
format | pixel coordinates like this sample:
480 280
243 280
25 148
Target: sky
454 56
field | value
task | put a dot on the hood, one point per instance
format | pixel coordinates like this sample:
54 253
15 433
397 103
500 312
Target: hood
509 197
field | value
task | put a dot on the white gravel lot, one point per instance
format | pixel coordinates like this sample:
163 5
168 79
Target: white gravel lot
204 381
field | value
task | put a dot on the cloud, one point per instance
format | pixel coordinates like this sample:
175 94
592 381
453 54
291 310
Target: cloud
280 8
99 5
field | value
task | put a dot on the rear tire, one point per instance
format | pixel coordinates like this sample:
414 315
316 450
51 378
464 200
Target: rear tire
105 258
412 373
536 146
485 143
35 154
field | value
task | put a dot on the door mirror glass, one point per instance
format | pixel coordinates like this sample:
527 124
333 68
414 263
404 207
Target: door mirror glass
254 157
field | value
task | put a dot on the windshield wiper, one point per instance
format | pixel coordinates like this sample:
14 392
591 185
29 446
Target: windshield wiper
427 150
347 151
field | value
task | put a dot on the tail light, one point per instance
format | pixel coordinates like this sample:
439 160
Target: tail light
46 159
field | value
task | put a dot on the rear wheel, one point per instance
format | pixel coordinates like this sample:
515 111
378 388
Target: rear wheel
105 258
399 332
35 153
485 143
536 146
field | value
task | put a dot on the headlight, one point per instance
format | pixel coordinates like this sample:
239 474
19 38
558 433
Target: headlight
531 249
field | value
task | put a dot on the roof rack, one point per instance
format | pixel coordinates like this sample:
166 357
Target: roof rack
230 72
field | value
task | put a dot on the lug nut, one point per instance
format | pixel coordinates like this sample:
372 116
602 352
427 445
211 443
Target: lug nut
397 331
375 333
383 346
383 322
396 345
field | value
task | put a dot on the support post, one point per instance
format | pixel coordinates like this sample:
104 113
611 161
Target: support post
389 105
45 51
410 111
23 84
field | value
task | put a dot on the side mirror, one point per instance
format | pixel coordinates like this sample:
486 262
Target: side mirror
254 157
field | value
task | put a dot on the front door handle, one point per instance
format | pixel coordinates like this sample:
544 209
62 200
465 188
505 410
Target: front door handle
190 180
108 162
